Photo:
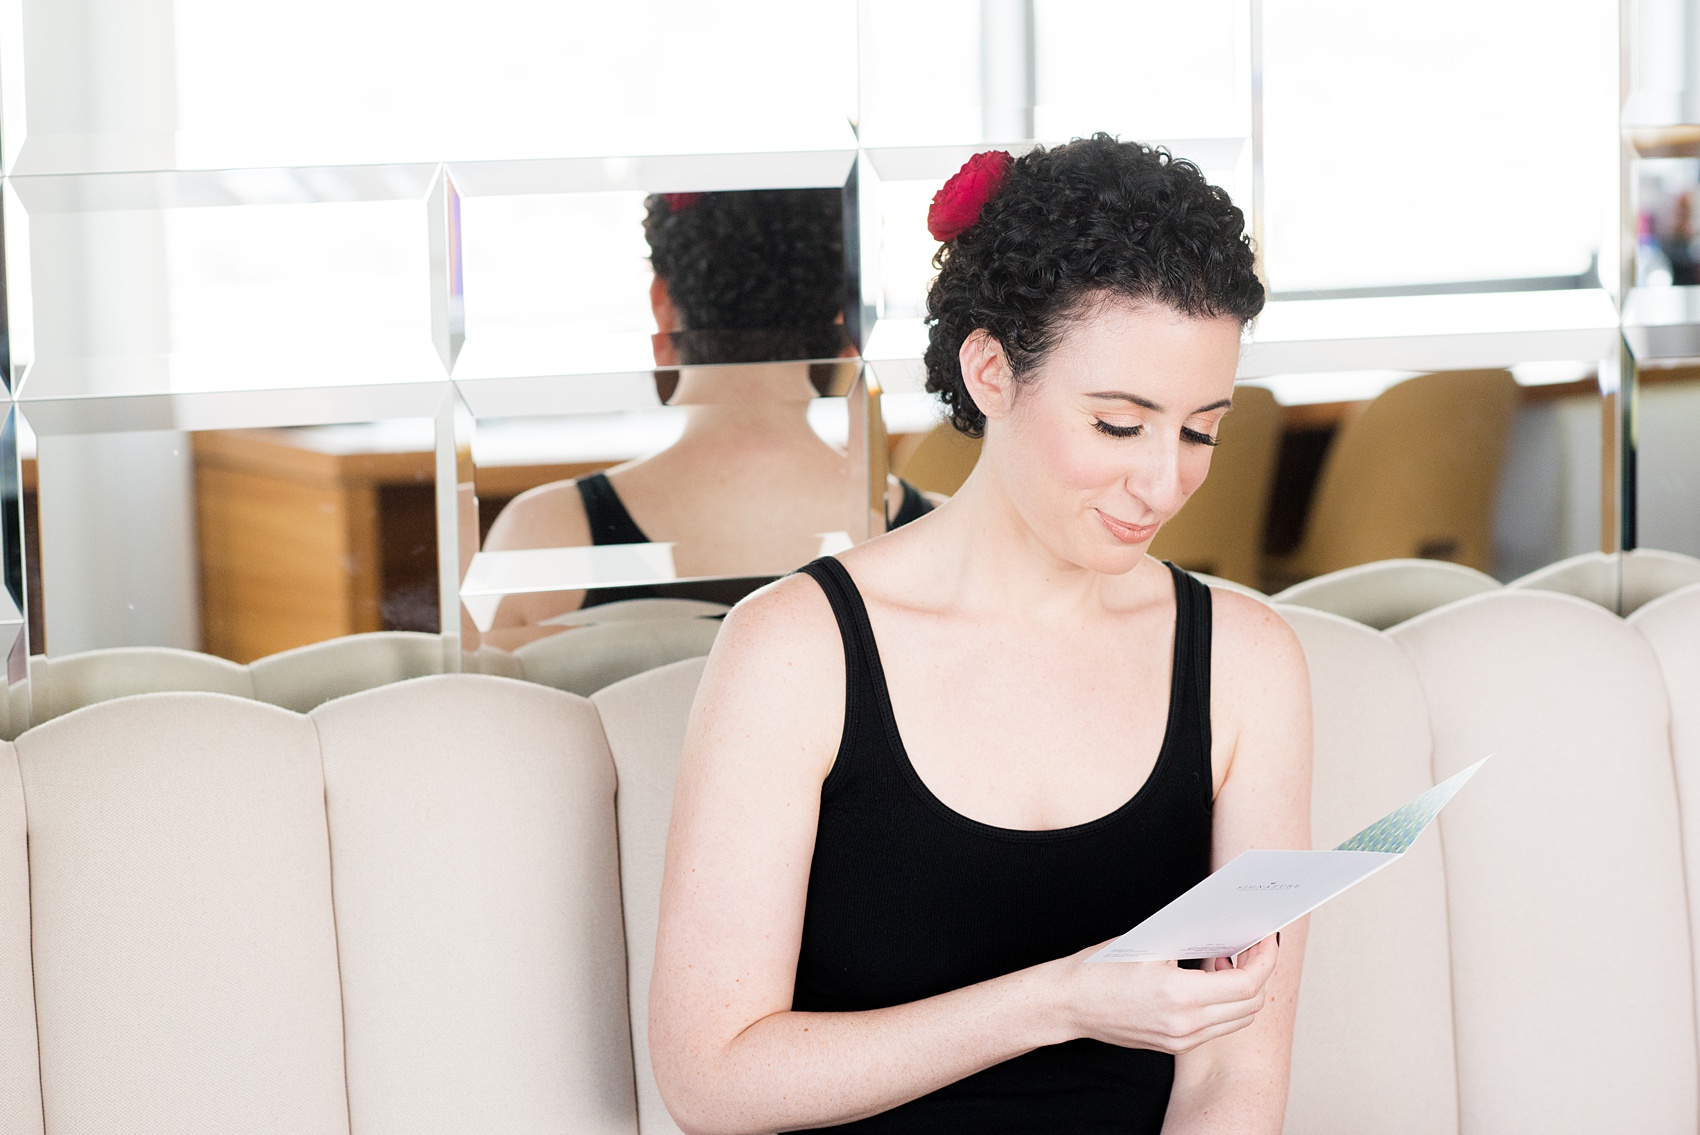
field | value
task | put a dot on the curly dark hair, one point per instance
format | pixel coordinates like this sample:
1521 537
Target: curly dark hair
1093 219
756 275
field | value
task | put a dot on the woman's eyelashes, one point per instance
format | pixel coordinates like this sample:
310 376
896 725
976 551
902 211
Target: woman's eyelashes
1196 437
1104 427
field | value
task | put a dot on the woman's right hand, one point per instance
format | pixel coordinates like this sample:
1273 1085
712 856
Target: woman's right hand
1160 1006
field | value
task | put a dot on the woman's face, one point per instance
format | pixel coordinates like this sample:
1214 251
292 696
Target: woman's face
1113 431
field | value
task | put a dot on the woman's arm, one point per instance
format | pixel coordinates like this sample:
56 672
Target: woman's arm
548 516
1260 694
729 1053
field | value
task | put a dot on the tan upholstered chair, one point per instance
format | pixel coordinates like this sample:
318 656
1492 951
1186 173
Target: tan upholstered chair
585 659
399 914
645 718
1412 476
308 676
1388 592
937 461
1617 583
1220 530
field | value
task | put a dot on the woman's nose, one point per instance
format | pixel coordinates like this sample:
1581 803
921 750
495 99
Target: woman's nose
1157 482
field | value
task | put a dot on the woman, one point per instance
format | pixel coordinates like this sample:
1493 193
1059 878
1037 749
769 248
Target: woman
925 781
746 283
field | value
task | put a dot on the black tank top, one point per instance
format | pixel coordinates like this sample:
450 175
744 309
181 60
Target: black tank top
908 898
610 523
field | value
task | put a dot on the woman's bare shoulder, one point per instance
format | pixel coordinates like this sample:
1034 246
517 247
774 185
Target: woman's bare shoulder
1249 627
774 682
792 611
548 516
1255 656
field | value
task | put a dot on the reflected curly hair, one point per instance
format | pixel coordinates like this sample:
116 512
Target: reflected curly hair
1074 225
756 275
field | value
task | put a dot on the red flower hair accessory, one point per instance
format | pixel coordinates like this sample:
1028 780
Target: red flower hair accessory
957 206
679 202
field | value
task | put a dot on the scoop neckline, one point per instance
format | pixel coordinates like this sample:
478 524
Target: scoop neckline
888 721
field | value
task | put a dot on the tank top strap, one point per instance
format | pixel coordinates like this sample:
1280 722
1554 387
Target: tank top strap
606 513
1191 677
863 676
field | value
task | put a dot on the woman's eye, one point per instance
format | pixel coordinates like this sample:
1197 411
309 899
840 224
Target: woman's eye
1197 438
1104 427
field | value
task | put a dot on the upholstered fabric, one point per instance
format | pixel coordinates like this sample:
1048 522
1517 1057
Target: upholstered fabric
1387 592
311 675
585 659
20 1077
626 609
644 718
184 945
478 909
1572 986
60 685
1229 585
1622 583
1373 1048
1671 625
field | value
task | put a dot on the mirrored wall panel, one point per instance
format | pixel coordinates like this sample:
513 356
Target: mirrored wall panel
708 484
624 282
1667 500
208 558
128 284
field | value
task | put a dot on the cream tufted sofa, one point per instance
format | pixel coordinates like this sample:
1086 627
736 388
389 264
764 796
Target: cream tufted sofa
432 906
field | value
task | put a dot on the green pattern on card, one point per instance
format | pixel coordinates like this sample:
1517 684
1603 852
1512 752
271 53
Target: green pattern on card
1395 832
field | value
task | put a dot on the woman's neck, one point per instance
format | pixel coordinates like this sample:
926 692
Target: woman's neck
760 409
1001 567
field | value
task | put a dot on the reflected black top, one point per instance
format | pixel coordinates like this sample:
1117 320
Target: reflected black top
908 899
610 523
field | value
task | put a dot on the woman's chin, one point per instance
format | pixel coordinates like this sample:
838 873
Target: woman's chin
1118 560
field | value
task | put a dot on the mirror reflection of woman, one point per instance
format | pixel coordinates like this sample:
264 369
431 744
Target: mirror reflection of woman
925 779
745 284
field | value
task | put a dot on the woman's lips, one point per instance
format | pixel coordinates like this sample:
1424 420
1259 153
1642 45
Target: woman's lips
1127 533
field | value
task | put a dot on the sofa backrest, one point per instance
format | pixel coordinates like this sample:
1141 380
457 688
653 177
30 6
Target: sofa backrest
20 1075
1374 1033
1387 592
1671 626
184 941
1571 978
585 659
410 910
645 718
400 913
311 675
60 685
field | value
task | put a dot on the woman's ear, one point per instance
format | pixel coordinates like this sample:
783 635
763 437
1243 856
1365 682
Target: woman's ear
666 322
986 374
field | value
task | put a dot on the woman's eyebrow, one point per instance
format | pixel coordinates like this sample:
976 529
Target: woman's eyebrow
1137 400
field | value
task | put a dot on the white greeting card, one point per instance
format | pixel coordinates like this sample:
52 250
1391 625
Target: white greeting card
1262 891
